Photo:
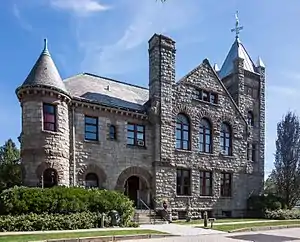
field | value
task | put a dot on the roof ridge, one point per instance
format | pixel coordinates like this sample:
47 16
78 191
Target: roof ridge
110 79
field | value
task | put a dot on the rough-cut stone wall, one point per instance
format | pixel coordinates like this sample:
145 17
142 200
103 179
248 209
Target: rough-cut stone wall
110 158
253 101
44 149
183 101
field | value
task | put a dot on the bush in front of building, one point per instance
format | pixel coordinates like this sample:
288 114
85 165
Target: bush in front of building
259 204
34 222
283 214
64 200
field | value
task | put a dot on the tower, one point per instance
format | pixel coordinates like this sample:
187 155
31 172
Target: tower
245 82
45 125
161 81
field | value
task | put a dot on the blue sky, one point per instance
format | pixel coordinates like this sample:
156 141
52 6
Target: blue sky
109 38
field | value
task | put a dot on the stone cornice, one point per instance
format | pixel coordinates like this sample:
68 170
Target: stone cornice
34 92
76 102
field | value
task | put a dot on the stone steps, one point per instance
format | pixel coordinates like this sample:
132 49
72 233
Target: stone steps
144 217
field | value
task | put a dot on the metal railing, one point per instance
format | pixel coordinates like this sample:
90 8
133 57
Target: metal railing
140 201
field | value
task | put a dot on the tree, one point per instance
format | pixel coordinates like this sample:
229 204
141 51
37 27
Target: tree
10 168
270 187
286 173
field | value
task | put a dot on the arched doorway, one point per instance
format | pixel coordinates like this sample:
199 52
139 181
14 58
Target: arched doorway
91 180
50 178
136 188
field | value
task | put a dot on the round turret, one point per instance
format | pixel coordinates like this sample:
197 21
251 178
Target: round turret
45 140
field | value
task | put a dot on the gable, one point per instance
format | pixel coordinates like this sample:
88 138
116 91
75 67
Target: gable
203 77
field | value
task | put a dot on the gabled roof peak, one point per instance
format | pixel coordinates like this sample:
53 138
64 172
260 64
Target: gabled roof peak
44 72
237 50
260 63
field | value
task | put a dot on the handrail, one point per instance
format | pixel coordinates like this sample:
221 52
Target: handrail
145 204
149 209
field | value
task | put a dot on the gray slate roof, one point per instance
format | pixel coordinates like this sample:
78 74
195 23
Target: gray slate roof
107 91
44 73
237 50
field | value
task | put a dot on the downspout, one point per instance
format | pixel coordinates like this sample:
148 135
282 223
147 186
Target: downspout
73 146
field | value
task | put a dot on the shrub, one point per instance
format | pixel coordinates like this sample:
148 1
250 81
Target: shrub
283 214
33 222
261 203
64 200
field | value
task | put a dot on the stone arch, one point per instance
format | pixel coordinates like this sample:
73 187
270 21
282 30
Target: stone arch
184 109
230 121
92 168
206 115
47 165
133 171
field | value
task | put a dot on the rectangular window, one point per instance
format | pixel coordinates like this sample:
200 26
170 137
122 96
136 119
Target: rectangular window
205 183
183 182
91 128
226 184
213 98
248 151
253 152
135 134
49 115
206 96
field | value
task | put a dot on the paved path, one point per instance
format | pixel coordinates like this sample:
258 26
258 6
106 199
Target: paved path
181 230
282 235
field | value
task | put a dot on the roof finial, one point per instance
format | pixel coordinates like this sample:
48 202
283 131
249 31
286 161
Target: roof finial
237 28
46 51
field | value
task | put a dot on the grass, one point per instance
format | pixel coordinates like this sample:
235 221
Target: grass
37 237
230 227
224 220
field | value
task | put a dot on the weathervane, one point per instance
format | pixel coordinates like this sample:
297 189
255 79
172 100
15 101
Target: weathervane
237 28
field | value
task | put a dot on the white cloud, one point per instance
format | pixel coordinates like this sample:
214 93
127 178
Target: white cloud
144 18
24 24
80 7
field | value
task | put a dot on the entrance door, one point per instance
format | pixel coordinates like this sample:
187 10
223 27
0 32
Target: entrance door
49 178
132 187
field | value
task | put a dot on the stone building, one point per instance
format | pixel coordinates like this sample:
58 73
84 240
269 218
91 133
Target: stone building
197 143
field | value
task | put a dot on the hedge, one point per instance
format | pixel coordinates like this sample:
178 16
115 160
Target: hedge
283 214
64 200
33 222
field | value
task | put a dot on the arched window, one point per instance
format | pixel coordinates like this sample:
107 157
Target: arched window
250 118
112 132
91 180
226 139
182 132
50 178
205 136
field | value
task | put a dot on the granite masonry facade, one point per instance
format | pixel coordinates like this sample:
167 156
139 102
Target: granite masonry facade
136 146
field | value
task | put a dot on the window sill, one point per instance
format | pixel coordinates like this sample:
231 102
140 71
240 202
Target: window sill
206 197
204 153
50 132
92 141
136 147
183 196
183 151
206 102
226 156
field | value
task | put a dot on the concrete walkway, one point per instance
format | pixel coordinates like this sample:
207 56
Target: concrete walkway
180 230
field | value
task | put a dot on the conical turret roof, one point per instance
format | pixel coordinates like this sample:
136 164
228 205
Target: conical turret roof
45 73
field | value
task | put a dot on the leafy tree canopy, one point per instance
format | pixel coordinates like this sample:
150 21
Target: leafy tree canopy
10 168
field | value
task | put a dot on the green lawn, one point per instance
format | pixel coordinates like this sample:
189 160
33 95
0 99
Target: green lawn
36 237
224 220
230 227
